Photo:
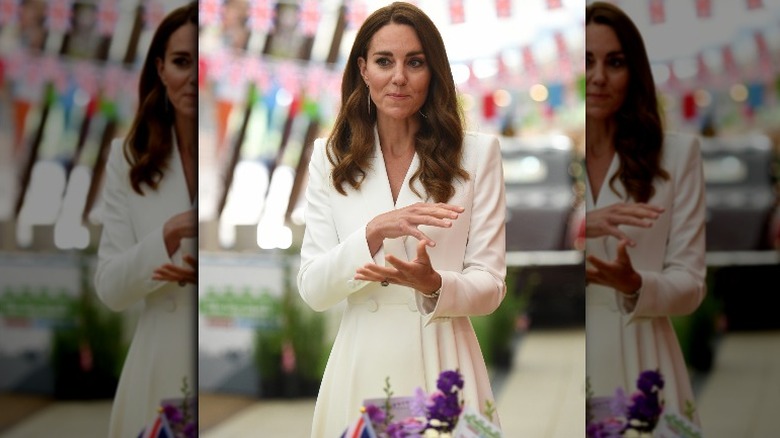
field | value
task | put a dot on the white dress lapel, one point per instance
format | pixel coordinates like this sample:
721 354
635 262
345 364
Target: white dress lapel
377 186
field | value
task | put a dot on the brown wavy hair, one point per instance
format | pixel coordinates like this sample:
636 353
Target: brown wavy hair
639 131
149 143
439 141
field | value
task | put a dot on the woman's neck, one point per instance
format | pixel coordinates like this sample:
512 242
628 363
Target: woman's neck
397 137
186 137
600 137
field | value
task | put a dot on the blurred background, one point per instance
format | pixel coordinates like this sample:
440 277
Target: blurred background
270 84
68 86
270 76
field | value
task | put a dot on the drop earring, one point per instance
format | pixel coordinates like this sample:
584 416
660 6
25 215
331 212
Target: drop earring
368 94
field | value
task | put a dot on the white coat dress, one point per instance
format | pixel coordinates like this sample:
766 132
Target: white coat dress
627 336
394 331
131 247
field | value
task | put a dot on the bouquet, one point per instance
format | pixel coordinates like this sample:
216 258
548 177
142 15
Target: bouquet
639 415
440 413
177 418
623 416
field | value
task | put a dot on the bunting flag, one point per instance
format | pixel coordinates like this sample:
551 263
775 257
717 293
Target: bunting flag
563 55
704 8
554 4
729 63
58 16
529 62
86 76
657 11
309 15
8 11
457 12
107 17
262 14
113 78
764 55
210 12
689 106
673 82
159 429
154 12
489 109
361 428
755 94
356 13
702 70
503 8
56 73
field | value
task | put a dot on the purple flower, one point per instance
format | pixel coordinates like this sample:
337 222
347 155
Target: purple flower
445 408
407 427
172 413
649 380
376 414
449 380
646 410
618 406
419 401
609 428
190 431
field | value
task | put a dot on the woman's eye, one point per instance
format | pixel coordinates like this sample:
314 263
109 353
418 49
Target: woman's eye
181 62
416 63
383 62
617 62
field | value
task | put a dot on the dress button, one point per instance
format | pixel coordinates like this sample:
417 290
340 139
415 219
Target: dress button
372 305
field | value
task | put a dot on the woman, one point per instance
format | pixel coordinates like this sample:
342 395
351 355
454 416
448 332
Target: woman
405 223
148 219
645 218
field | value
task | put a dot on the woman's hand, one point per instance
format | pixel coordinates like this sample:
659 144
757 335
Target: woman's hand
178 227
180 274
605 221
618 274
417 274
406 221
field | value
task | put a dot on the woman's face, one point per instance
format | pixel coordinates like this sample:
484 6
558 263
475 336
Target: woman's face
606 72
396 72
178 71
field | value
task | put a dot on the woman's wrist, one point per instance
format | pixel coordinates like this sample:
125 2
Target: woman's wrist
434 293
633 284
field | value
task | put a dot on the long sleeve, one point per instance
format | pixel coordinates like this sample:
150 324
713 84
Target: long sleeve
328 265
480 287
679 288
125 261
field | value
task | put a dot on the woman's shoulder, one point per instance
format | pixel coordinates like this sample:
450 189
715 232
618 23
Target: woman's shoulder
480 143
679 149
475 138
680 144
116 153
680 141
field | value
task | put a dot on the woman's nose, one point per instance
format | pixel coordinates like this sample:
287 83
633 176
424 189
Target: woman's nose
596 73
399 75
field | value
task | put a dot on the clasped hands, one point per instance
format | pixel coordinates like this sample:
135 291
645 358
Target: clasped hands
180 226
418 273
618 273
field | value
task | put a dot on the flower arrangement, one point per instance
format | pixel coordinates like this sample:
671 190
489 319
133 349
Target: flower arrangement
177 417
438 414
636 415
